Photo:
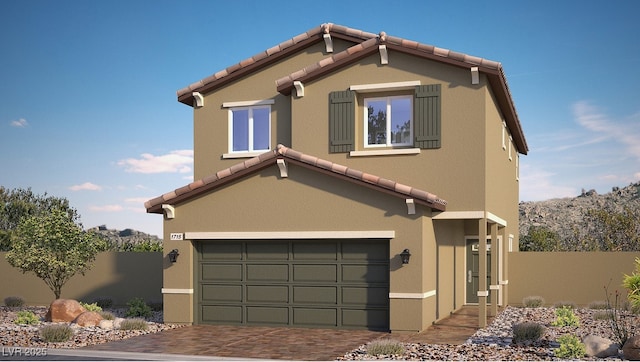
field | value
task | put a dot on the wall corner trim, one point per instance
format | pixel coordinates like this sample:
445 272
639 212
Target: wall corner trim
199 99
176 291
431 293
169 211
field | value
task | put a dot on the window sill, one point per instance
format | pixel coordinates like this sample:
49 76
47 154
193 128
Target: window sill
399 151
242 154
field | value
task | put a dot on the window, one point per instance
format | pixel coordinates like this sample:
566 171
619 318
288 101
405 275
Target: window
388 121
249 129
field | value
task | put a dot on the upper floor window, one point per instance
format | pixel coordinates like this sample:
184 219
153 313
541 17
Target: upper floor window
388 121
249 129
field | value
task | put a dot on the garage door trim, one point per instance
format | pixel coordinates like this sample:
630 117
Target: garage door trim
365 234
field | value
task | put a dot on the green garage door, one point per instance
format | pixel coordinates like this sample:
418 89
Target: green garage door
301 283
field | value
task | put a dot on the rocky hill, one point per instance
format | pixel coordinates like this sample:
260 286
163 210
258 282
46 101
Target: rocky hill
562 215
126 236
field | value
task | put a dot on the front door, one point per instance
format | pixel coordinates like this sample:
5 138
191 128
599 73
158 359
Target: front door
473 270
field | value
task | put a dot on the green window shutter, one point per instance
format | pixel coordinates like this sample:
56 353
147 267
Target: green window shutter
427 123
342 115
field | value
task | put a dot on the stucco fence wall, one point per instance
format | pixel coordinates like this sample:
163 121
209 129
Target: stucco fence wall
120 276
578 277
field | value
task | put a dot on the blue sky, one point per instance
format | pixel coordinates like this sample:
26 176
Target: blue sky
88 107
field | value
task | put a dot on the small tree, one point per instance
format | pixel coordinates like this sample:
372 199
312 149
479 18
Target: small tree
53 247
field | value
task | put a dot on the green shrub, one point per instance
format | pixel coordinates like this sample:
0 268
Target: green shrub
14 302
103 302
533 301
565 303
527 332
599 304
93 307
56 333
138 308
570 347
632 283
107 315
385 347
565 318
26 317
135 324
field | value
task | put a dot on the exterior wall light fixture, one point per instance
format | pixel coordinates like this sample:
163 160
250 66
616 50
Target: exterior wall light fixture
405 255
173 255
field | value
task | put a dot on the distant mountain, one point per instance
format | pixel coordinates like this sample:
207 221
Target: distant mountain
562 215
126 236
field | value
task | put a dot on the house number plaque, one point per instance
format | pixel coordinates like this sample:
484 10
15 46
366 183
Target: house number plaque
176 236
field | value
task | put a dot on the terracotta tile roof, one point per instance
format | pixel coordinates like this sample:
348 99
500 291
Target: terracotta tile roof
272 54
269 158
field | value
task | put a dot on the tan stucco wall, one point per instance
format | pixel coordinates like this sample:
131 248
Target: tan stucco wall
119 276
309 201
578 277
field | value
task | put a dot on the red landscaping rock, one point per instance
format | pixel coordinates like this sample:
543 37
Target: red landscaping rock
88 319
64 310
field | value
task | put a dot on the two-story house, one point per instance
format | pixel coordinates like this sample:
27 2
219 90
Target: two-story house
345 179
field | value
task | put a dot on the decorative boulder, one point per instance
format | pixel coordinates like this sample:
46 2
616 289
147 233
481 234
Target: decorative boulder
64 310
631 349
105 324
88 319
596 346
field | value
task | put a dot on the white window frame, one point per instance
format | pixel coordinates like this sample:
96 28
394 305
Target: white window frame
250 106
388 128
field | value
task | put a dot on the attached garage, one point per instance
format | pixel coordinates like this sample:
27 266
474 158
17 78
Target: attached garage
330 283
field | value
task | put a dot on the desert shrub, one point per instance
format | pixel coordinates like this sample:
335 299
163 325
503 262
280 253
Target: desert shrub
107 315
138 308
14 302
534 301
155 306
632 283
385 347
103 302
565 318
527 332
26 317
135 324
570 347
93 307
56 333
599 304
565 303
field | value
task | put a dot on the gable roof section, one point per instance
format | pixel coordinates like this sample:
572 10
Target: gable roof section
493 70
271 55
270 158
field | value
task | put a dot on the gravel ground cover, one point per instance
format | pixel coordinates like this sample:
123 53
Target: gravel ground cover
12 334
494 343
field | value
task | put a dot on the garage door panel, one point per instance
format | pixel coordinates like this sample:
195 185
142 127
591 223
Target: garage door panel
267 315
371 318
315 250
267 293
221 314
315 317
315 294
222 251
365 273
217 272
268 272
315 273
267 251
365 251
369 296
221 293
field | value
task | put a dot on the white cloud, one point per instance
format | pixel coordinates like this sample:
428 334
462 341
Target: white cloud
537 184
180 161
626 132
86 186
106 208
21 123
139 200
